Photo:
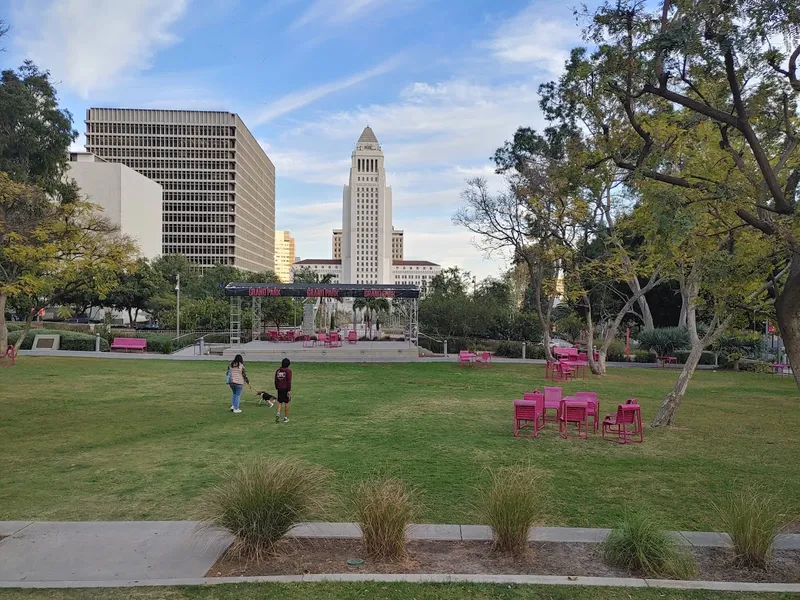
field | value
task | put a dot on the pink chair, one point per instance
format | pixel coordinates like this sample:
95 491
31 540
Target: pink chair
464 358
529 413
484 359
593 405
322 338
626 424
352 337
573 411
552 400
564 372
308 342
335 340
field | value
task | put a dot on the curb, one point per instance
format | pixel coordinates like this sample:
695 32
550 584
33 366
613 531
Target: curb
416 578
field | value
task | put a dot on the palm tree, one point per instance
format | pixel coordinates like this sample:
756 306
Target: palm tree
371 306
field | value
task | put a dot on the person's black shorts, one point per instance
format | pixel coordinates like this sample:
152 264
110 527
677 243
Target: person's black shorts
283 396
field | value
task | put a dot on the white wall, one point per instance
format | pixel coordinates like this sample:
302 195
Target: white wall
128 199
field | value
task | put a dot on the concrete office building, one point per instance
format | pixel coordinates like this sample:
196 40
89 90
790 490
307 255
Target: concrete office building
368 249
128 199
284 255
219 184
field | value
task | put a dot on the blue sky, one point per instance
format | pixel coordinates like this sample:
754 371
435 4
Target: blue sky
441 82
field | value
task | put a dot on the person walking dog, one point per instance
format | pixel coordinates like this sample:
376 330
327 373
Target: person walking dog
237 378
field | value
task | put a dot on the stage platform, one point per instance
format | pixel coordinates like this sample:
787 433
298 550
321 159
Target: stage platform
296 351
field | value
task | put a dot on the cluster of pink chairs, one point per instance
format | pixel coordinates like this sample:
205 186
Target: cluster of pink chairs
531 414
328 340
289 335
567 363
473 359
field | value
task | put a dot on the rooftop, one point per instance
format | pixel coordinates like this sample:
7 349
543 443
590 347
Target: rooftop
367 136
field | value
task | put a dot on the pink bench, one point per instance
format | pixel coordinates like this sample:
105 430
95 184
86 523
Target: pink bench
129 345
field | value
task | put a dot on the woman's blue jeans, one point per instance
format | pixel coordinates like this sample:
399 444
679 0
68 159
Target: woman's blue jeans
236 388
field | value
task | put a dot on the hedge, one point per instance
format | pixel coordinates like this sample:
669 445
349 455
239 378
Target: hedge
157 343
70 340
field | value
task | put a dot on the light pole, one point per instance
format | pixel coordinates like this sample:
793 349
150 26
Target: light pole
178 311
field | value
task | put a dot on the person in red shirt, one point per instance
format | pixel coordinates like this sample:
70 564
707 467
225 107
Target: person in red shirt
283 383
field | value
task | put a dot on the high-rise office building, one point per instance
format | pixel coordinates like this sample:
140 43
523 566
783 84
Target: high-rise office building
284 255
368 249
219 184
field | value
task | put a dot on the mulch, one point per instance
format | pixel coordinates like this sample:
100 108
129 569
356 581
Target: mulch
301 556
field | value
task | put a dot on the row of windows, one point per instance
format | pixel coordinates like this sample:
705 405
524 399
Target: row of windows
184 207
367 165
157 142
168 153
199 250
197 239
199 197
200 185
186 175
146 129
197 228
368 179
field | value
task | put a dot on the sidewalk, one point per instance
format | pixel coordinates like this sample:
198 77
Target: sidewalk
141 551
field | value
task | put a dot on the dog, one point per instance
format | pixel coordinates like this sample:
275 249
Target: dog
266 397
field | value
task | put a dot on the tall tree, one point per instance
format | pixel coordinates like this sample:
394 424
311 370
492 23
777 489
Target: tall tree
136 289
732 65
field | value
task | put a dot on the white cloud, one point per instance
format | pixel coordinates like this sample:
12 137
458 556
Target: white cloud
336 11
296 100
528 38
91 44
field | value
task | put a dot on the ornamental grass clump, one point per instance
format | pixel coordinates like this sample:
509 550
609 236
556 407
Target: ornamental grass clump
752 517
640 545
260 500
384 508
511 505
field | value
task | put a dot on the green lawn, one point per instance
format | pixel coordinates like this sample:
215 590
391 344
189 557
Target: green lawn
130 439
381 591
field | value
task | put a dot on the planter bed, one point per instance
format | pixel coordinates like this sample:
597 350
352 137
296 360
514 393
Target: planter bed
326 555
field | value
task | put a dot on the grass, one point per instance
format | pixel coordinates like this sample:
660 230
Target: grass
384 508
511 505
261 499
752 517
112 439
382 591
641 545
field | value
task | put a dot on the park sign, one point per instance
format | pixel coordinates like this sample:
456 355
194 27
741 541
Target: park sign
321 290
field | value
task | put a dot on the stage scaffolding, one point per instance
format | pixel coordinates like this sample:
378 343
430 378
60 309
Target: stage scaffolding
403 298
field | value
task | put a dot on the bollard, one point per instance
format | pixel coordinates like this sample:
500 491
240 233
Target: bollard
202 347
445 348
97 342
523 350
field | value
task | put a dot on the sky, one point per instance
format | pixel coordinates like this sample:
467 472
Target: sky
443 83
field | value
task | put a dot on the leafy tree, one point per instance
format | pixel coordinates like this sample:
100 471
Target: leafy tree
52 249
371 307
213 280
720 68
137 289
169 265
35 133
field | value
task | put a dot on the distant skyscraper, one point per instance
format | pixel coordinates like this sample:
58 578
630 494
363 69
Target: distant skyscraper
367 249
284 255
219 184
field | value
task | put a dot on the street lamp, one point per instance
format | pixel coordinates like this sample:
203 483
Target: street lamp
178 311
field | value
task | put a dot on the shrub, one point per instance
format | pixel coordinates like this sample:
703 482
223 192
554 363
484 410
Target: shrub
640 545
70 340
752 517
706 358
262 499
664 340
756 366
511 505
509 349
383 509
643 356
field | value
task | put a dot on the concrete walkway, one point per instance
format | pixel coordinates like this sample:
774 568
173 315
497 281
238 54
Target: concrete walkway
126 551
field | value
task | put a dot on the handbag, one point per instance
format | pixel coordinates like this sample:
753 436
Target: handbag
228 377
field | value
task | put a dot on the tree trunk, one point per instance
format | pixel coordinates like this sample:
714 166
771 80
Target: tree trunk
665 416
130 317
647 316
595 367
684 311
600 363
787 311
3 326
26 329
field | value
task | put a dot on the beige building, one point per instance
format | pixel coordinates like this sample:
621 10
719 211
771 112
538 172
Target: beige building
219 184
368 249
397 244
127 199
284 255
